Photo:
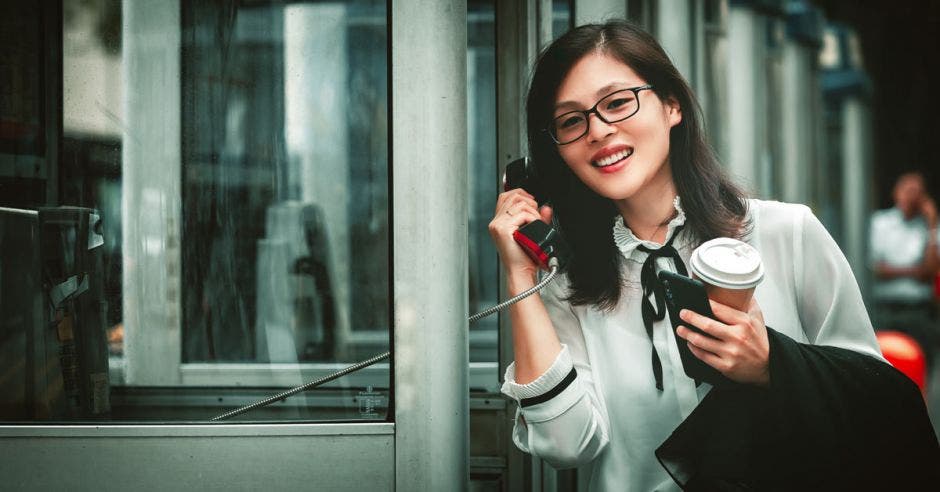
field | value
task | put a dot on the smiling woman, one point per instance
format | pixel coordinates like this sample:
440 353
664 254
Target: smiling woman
615 132
666 126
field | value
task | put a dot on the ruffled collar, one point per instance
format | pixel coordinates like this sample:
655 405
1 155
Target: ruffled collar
627 241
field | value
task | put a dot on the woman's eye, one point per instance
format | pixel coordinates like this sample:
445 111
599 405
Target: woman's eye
571 121
619 103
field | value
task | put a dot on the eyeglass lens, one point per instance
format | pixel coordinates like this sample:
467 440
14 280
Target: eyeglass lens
612 108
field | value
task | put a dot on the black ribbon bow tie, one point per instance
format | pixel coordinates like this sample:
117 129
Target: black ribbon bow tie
652 285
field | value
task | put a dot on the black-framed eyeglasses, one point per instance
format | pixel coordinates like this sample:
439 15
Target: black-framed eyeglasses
616 106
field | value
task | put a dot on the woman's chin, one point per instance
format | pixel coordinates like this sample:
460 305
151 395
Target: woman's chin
617 193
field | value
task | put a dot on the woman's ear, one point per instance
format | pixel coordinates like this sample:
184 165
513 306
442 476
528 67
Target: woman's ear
673 111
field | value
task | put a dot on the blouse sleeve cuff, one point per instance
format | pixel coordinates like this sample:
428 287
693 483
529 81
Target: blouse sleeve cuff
558 374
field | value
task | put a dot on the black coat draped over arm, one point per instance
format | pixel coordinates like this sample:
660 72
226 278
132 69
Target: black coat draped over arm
831 419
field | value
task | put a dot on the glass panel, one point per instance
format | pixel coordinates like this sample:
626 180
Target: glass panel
279 127
237 156
482 174
484 180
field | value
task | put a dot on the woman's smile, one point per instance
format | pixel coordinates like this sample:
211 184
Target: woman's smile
612 159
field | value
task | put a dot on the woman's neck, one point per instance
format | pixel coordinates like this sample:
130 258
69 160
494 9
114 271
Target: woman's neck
649 211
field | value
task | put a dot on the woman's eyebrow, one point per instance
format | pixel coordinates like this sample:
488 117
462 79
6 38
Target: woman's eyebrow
603 91
611 87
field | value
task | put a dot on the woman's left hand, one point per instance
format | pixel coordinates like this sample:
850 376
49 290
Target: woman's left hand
739 349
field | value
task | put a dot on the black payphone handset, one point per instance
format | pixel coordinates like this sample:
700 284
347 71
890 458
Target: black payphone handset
539 240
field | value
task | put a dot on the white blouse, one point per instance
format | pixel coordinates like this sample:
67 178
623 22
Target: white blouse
610 419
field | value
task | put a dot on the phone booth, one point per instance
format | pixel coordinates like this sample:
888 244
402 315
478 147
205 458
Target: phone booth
231 168
240 241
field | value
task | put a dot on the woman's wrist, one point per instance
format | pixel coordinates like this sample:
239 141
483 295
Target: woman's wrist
520 281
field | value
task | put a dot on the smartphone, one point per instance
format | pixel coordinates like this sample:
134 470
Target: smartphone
682 292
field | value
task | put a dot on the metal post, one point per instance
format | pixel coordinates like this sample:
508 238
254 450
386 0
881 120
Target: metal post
151 156
856 195
516 41
744 121
429 180
796 93
545 34
515 50
674 32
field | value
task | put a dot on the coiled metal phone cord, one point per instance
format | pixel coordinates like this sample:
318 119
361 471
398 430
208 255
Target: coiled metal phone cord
553 271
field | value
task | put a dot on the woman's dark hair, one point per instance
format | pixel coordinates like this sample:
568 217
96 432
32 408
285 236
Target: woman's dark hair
714 206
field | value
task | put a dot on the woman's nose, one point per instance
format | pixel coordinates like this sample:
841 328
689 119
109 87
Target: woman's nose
598 129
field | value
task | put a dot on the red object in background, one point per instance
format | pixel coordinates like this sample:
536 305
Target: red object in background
936 286
905 354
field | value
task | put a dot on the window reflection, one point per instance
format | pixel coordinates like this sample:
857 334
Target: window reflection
90 169
237 156
285 240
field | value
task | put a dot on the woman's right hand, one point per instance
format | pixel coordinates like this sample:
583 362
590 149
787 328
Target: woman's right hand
514 209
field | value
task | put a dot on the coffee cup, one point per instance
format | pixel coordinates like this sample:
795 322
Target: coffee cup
730 270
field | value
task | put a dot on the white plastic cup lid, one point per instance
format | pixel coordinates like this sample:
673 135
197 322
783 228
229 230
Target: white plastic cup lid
728 263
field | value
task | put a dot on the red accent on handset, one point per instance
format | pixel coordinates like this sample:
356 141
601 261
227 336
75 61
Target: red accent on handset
532 249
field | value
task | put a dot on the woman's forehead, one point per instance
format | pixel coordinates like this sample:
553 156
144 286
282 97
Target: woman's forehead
594 76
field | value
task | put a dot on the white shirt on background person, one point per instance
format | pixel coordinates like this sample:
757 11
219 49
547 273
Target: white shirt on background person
899 243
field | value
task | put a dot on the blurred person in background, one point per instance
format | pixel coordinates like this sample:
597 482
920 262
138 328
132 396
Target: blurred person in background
906 259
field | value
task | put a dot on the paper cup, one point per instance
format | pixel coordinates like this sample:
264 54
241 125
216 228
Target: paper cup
730 270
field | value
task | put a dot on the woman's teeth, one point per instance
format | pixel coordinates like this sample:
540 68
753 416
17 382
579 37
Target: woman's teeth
611 159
